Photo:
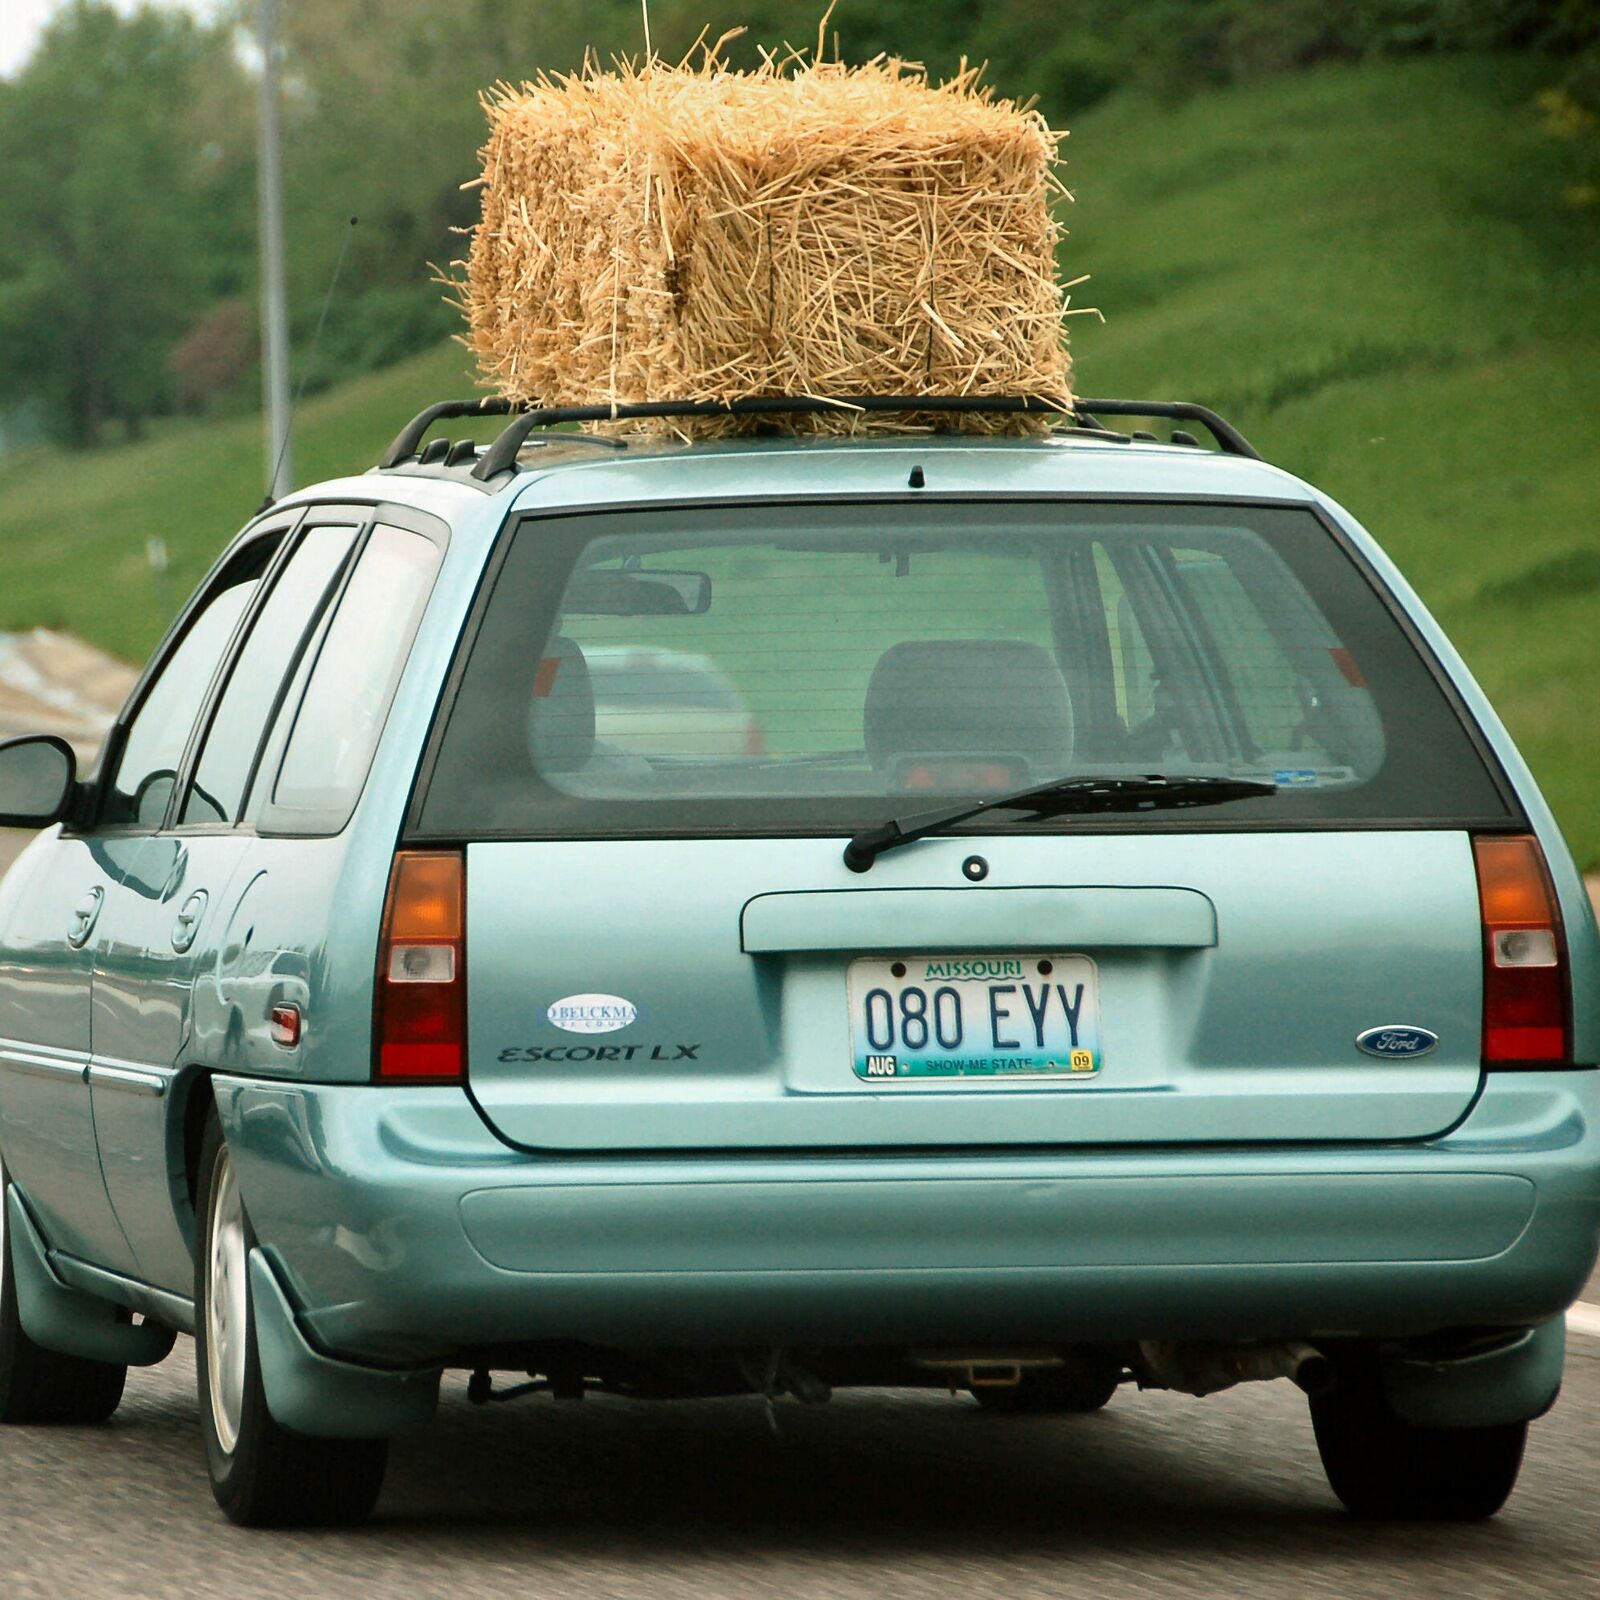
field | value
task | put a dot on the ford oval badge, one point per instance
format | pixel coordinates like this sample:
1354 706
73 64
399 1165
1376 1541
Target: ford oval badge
1397 1039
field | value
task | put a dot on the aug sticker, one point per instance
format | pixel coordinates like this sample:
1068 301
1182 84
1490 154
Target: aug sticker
592 1013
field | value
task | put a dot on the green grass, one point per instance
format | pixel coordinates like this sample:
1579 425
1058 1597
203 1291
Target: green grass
1369 269
73 527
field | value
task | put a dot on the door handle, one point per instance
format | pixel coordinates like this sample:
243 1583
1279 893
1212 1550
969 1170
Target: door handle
84 916
188 923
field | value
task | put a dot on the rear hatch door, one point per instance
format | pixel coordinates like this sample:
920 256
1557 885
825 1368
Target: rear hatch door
665 949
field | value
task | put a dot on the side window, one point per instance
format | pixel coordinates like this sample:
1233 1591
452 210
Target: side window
137 791
1132 669
269 654
1274 698
342 711
1267 687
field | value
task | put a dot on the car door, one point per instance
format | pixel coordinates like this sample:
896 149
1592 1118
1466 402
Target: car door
65 914
180 891
55 904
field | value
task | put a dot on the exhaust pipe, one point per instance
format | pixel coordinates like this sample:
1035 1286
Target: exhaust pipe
986 1369
1202 1369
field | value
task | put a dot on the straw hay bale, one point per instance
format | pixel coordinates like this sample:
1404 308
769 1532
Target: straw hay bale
691 232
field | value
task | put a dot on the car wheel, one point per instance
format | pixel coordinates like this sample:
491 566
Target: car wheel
1382 1467
1079 1387
262 1474
39 1385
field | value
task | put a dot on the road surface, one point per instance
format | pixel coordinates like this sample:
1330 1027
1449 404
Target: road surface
880 1495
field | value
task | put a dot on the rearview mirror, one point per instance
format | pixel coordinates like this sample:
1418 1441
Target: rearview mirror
36 778
638 592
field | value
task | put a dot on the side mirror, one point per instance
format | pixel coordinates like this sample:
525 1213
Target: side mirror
36 779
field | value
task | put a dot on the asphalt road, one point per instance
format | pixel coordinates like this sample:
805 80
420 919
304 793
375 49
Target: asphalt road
881 1494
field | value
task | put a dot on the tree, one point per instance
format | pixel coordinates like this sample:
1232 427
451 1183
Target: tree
104 201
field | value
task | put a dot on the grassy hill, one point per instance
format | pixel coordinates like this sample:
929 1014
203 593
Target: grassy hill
1369 269
73 527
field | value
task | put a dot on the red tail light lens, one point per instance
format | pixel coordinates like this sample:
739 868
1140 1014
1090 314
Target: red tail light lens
422 991
1526 1009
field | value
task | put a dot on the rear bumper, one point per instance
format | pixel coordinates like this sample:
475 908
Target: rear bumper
404 1233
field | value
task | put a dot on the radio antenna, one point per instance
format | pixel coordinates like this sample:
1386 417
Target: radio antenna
310 359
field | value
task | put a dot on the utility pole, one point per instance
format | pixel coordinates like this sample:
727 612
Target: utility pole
274 306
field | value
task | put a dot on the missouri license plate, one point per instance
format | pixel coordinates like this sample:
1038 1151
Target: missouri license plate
987 1018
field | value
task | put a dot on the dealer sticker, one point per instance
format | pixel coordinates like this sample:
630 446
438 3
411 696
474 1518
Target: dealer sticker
592 1013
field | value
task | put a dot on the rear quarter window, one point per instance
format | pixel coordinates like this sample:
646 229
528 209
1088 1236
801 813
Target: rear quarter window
336 718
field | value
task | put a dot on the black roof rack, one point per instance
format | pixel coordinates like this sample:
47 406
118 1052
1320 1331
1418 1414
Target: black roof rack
1228 437
501 456
409 437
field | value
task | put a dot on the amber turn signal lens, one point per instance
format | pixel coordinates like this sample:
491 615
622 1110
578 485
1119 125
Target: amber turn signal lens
1512 883
425 899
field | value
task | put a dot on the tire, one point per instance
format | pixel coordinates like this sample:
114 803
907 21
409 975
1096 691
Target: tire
1385 1469
1062 1391
39 1385
263 1476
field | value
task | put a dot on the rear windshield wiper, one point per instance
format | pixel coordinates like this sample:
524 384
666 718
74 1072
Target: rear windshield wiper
1151 792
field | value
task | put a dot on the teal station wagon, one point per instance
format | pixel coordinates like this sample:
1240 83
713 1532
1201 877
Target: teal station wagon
1120 944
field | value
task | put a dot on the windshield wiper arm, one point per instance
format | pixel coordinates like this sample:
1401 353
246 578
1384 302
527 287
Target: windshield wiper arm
1151 792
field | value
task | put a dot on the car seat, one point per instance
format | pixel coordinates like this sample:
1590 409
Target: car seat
1001 699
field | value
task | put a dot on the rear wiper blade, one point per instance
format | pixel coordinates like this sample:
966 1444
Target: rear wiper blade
1152 791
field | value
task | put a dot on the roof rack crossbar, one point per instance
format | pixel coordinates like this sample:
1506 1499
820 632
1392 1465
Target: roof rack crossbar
409 437
1084 414
1233 442
501 456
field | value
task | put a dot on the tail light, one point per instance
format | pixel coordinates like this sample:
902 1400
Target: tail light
422 978
1526 1002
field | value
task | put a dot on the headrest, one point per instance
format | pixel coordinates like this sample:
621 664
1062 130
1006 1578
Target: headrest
561 716
991 697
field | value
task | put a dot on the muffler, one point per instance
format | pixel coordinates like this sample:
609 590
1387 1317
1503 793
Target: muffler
984 1369
1202 1369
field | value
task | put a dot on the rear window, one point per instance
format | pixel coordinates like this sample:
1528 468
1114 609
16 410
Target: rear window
821 668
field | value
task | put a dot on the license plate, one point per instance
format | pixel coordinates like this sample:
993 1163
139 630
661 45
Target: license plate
987 1018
